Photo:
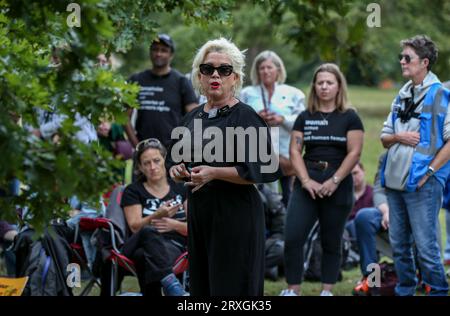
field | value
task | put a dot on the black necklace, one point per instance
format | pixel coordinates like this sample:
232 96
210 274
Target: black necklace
324 118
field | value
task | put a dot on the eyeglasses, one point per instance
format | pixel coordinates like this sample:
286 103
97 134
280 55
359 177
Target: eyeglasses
223 70
148 142
407 58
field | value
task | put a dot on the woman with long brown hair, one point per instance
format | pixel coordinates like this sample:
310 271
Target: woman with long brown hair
332 136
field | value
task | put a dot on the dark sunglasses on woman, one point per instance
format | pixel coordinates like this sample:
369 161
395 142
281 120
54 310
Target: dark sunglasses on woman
222 70
407 58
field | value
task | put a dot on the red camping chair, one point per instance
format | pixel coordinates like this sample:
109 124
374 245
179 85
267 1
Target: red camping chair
114 256
118 259
79 255
115 225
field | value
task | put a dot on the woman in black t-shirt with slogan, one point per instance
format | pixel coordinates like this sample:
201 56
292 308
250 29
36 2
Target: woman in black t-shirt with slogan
332 136
155 212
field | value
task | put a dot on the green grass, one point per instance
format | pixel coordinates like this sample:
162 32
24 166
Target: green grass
271 288
373 106
129 284
343 288
371 100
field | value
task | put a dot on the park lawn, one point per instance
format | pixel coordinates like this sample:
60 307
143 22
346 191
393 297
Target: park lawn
373 106
343 288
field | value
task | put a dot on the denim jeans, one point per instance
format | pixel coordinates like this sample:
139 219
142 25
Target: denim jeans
351 229
413 218
447 241
367 224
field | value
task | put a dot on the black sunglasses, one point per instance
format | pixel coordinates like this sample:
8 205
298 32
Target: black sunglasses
148 142
223 70
407 58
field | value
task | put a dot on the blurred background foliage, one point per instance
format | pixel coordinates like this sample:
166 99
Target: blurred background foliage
303 32
306 33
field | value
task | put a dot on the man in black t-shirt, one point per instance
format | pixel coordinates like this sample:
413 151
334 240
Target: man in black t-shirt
165 96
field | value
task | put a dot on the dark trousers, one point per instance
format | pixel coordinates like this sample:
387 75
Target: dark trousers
302 213
153 255
153 252
286 188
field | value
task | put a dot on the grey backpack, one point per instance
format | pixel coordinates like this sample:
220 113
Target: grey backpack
41 272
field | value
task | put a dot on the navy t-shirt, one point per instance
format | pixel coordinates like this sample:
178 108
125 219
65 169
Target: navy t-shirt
162 101
325 134
325 138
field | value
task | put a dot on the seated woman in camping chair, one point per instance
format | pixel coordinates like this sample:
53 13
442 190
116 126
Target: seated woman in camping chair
155 210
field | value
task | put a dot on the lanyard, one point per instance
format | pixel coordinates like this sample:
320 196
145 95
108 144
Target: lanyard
410 107
264 98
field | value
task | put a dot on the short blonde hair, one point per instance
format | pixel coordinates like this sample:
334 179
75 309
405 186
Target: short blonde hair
342 103
224 46
262 57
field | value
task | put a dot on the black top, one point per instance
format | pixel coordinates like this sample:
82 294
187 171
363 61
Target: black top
226 220
250 155
136 193
325 134
162 102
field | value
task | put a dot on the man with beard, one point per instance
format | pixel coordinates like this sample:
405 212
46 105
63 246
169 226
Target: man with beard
165 96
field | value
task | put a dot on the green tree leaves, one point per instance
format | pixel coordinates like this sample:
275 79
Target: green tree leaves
45 64
337 31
